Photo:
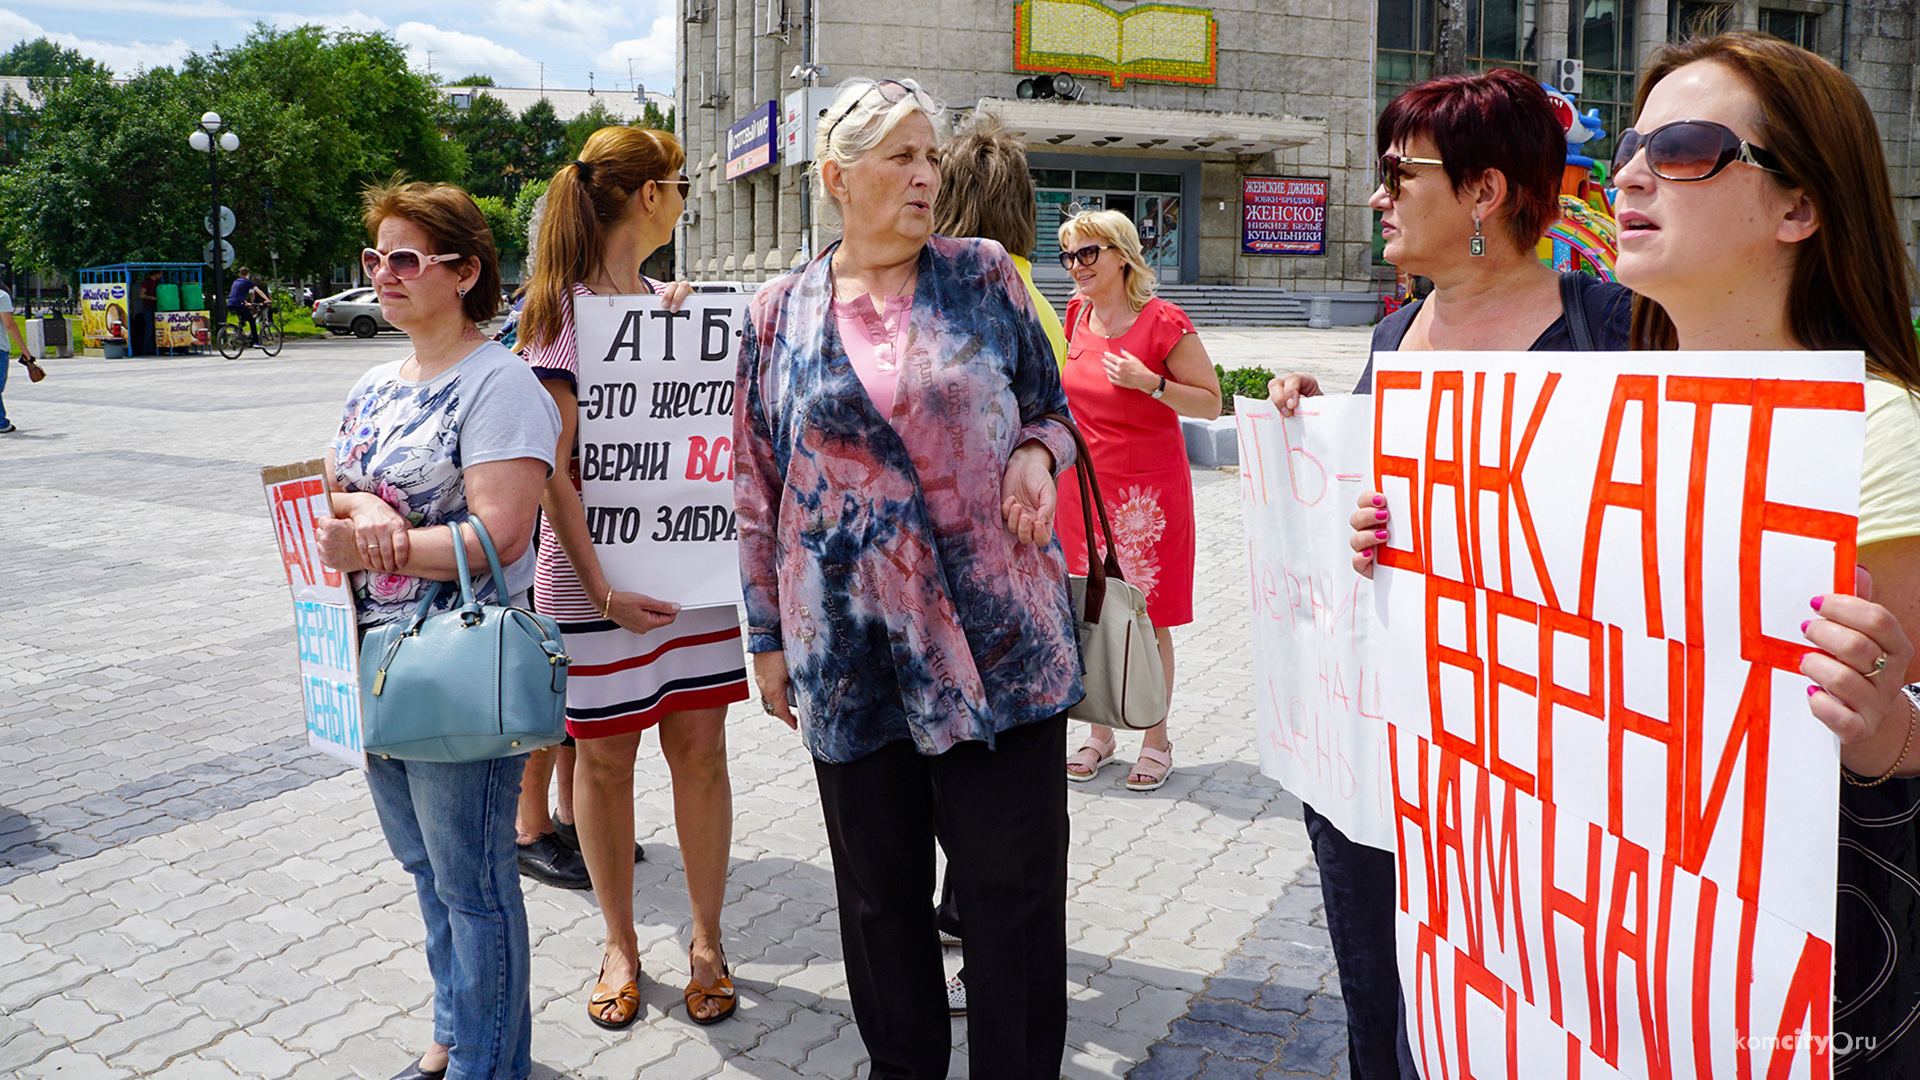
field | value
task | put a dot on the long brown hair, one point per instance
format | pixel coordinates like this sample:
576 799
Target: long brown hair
454 226
585 200
1852 281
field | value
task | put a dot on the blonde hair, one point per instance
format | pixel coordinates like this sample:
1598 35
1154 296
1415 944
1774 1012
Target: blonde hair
859 120
1113 227
584 202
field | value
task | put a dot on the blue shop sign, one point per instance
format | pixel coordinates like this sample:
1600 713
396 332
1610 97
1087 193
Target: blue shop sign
751 143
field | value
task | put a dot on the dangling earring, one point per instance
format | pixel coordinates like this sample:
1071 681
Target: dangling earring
1477 246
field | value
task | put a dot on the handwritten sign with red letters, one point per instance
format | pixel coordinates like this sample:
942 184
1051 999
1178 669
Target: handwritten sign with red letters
1615 816
1320 725
323 615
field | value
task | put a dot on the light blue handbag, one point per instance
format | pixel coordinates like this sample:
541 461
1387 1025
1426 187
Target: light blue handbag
479 682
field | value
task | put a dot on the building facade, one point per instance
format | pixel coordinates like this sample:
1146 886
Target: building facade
1238 134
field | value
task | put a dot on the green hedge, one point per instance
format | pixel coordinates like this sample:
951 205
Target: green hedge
1247 382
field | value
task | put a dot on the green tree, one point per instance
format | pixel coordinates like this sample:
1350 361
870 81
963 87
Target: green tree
500 221
107 175
43 59
523 204
487 131
475 79
582 127
543 144
652 117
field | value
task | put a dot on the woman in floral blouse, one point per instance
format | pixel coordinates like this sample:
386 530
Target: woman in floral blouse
906 602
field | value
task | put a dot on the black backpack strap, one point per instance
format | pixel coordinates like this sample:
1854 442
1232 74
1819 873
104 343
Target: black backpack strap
1573 301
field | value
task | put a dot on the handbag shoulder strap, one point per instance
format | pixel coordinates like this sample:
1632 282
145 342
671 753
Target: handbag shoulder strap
1573 301
1076 308
493 558
1098 570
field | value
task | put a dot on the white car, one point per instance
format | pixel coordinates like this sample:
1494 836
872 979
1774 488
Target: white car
356 311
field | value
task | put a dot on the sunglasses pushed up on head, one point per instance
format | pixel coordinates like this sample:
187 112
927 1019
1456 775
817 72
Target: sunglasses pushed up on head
405 263
1688 151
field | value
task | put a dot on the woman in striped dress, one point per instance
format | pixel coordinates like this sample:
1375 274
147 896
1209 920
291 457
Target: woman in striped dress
638 662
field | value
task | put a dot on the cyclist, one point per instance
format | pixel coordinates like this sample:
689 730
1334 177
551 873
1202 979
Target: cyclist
238 301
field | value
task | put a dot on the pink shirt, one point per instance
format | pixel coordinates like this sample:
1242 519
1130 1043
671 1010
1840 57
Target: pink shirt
871 337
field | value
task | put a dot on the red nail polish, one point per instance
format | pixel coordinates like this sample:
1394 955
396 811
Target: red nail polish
1380 535
1816 603
1379 515
1379 500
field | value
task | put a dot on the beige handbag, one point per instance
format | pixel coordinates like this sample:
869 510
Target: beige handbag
1126 685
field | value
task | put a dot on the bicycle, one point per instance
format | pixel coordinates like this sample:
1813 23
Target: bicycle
232 338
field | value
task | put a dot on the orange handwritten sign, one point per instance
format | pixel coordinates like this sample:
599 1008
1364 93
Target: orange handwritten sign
1614 815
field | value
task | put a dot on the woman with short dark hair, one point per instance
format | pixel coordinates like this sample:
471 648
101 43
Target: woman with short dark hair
1469 182
459 430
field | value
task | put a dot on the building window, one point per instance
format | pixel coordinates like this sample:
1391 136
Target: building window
1608 50
1795 27
1694 18
1500 33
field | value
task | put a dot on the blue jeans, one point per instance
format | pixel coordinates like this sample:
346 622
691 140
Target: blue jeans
451 826
6 361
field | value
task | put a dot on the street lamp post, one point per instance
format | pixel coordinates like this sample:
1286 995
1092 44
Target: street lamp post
205 140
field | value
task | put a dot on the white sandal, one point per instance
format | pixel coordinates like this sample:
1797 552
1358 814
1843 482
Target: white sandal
956 997
1091 758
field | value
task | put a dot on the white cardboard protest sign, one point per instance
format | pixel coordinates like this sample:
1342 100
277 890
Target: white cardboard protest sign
1616 818
1320 726
323 615
656 442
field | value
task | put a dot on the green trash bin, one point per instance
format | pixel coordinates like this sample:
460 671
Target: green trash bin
191 297
168 297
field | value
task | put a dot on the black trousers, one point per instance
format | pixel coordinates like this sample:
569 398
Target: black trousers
1359 887
1001 815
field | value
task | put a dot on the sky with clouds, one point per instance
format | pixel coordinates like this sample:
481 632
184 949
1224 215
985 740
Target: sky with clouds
511 40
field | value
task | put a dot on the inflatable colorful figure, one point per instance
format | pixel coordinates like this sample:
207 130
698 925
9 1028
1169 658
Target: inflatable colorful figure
1584 237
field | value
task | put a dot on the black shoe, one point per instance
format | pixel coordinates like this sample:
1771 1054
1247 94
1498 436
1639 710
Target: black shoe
548 860
415 1072
570 836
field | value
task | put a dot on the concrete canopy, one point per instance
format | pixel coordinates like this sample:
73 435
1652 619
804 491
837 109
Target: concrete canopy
1126 127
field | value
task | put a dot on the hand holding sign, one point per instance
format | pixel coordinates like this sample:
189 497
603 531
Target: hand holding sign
639 612
1858 675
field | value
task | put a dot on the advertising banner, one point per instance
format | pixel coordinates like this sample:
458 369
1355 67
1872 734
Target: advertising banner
752 144
103 312
656 442
1615 815
180 329
1283 216
323 616
1320 726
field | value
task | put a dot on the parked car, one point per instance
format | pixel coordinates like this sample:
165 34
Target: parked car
725 286
355 311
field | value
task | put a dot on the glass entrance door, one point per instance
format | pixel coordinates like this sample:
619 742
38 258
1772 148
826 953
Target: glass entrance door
1150 200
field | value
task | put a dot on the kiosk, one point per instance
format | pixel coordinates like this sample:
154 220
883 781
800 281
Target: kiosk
117 321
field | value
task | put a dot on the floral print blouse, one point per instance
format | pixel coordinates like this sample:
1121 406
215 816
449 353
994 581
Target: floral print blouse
873 550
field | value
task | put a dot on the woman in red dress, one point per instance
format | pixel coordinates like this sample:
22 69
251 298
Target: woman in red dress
1134 367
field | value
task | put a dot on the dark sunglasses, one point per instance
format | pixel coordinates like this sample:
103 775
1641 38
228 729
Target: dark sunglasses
1084 256
1692 150
894 96
405 263
1390 173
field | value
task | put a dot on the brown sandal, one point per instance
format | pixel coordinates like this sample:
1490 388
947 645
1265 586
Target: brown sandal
699 994
615 1010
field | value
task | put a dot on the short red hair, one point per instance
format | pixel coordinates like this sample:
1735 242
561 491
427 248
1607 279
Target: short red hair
1500 119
